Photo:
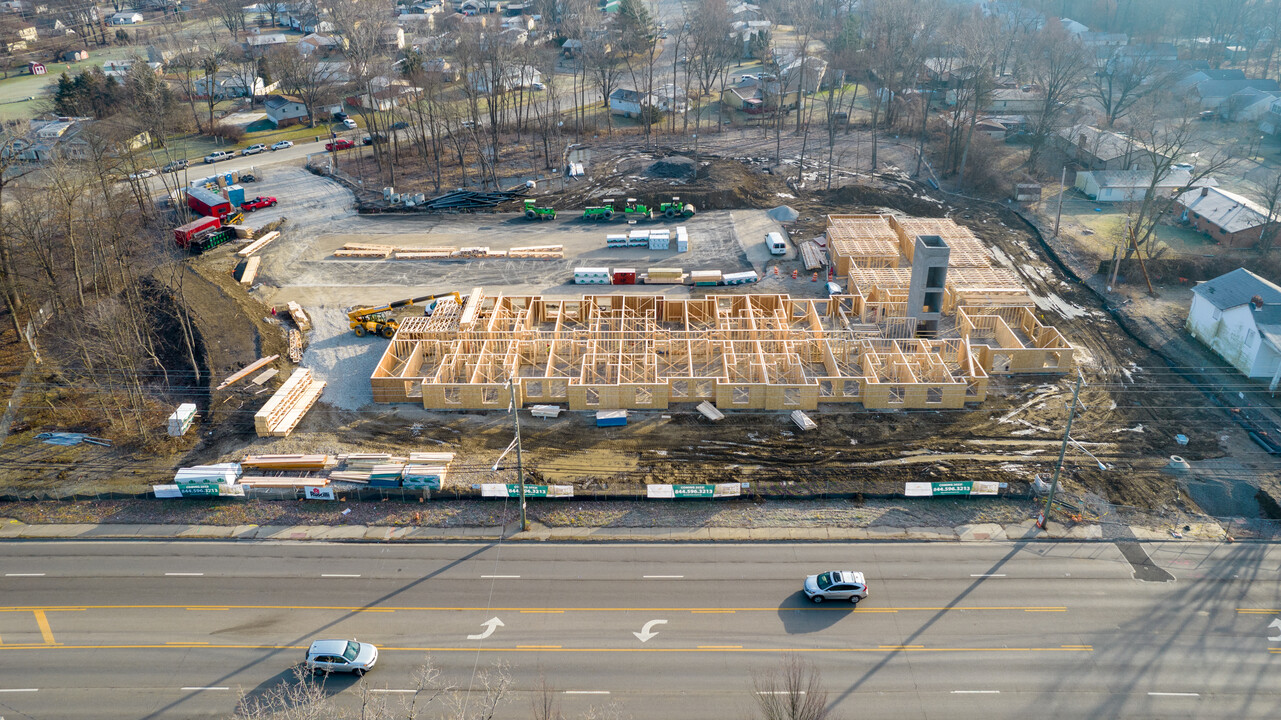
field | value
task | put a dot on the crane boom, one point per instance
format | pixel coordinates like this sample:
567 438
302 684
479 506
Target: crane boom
372 320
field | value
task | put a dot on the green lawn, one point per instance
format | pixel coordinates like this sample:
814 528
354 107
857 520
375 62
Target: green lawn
1108 224
15 89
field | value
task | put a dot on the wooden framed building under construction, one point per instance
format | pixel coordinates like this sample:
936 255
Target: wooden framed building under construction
868 346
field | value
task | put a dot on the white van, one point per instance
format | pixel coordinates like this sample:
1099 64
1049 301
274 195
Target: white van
776 244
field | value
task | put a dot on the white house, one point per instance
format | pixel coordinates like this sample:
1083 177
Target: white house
1131 185
628 103
126 17
520 76
285 110
317 43
1238 316
228 85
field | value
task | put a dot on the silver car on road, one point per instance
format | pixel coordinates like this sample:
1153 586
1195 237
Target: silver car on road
330 656
836 585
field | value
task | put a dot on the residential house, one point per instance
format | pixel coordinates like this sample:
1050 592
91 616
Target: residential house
1213 93
1014 101
126 17
1072 27
997 127
119 69
284 110
807 80
1249 105
387 94
441 67
1131 185
418 24
51 26
22 31
947 72
1104 39
1270 123
310 21
1160 53
754 94
393 38
513 37
320 45
671 98
571 47
68 138
1229 219
512 78
1095 149
1238 316
746 31
746 11
427 7
630 103
1196 77
259 44
74 56
229 85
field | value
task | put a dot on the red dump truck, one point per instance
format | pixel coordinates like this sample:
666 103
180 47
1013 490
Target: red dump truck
208 202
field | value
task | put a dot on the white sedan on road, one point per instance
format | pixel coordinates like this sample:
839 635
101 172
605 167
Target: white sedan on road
282 145
836 585
142 174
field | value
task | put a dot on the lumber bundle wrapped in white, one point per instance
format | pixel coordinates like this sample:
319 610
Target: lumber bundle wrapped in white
286 408
803 421
545 411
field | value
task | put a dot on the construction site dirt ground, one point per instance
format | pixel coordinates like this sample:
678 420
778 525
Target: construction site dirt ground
1131 409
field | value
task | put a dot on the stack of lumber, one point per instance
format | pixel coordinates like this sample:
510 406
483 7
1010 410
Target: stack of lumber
470 199
242 231
295 345
246 371
258 244
225 473
247 270
264 376
367 461
288 462
665 276
363 250
386 475
300 318
710 412
425 253
545 411
431 458
812 255
550 252
350 476
283 482
286 408
471 252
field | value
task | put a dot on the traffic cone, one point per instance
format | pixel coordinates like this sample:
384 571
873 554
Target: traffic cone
775 269
815 278
794 274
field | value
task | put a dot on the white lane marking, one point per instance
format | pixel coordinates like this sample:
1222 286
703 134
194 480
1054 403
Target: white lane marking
499 577
206 687
586 692
976 692
389 690
3 690
337 575
663 577
185 574
24 574
1163 694
987 574
490 625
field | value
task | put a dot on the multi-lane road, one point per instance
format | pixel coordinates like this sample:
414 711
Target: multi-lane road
179 630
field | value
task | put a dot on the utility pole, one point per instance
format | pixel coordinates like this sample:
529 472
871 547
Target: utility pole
520 466
1067 432
1062 191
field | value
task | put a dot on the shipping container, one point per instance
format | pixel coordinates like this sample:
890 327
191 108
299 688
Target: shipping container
624 276
207 202
189 234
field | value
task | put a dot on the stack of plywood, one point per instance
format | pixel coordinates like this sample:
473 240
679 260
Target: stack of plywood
705 277
813 256
258 244
424 253
665 276
283 482
471 252
295 345
362 250
286 408
288 462
548 252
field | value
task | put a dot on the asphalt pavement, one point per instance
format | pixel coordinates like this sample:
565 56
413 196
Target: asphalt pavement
1003 629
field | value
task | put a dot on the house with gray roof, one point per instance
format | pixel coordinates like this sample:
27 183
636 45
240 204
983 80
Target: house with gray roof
1213 93
1238 316
1229 219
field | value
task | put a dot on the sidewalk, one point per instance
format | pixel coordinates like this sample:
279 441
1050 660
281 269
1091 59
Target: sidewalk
990 532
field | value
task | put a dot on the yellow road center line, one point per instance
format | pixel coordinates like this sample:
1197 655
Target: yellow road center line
900 647
1257 611
187 642
381 610
713 612
543 612
45 631
1044 609
538 647
720 647
201 609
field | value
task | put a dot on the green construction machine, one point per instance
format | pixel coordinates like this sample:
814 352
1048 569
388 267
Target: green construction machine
676 208
533 212
634 210
604 211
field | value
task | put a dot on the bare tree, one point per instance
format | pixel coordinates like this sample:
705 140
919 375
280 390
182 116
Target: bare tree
1125 80
231 13
711 52
1268 191
1057 67
791 691
312 80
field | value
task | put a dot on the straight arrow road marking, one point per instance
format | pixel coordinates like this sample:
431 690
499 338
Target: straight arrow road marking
490 625
976 692
323 575
184 574
24 574
663 577
5 690
1275 624
645 634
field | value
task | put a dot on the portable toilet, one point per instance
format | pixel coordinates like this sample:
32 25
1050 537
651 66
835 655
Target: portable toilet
236 196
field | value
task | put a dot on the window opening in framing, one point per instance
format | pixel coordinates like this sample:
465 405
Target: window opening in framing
741 396
644 396
592 397
791 396
489 396
933 396
825 389
453 396
898 394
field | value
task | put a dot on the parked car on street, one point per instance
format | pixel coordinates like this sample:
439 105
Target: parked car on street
837 585
369 140
217 155
149 172
258 203
174 166
537 86
340 116
282 145
349 124
255 149
351 656
339 144
399 125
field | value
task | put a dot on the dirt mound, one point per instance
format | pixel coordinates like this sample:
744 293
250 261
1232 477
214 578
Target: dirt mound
865 197
676 166
719 184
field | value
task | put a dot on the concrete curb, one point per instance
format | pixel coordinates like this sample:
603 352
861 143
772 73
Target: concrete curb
987 532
